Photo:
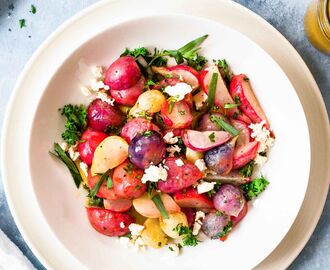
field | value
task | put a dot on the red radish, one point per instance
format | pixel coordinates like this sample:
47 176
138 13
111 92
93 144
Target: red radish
189 99
117 205
191 199
102 115
122 73
179 117
240 87
184 73
109 222
204 140
241 214
128 97
179 177
205 123
88 143
103 192
244 132
190 214
244 154
136 126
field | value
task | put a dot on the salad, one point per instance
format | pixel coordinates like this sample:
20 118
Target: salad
169 148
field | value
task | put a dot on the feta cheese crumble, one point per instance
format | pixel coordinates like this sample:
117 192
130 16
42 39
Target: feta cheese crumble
73 153
174 248
83 166
135 229
260 160
98 85
205 187
200 164
104 97
98 72
179 90
170 138
198 222
261 134
154 174
179 162
64 146
173 149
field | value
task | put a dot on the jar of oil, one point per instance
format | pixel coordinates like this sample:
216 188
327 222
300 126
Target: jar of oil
317 24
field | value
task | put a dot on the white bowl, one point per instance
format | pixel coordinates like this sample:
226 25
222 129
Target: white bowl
62 206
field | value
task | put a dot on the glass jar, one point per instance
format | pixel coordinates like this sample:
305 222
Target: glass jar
317 24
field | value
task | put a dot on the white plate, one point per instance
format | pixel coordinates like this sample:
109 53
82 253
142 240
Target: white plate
54 191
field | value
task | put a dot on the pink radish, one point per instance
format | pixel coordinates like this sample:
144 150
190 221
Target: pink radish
244 132
204 140
244 154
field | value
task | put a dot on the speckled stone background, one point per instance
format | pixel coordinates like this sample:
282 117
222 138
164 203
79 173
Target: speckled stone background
17 45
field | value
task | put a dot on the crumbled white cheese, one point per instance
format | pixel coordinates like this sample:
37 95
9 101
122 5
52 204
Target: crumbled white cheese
122 225
135 229
139 244
98 85
125 241
85 91
173 149
170 138
178 91
64 146
98 72
205 187
261 134
200 164
104 97
83 166
198 222
174 249
73 153
154 174
260 160
179 162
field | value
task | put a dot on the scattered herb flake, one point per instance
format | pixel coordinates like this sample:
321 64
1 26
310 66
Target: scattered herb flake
212 137
129 168
188 238
225 230
247 170
109 182
22 23
33 9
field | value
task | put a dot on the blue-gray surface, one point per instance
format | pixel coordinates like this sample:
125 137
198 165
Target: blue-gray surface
17 45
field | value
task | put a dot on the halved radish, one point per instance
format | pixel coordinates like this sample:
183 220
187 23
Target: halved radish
241 214
204 140
240 87
190 198
117 205
244 132
185 73
179 117
244 154
147 208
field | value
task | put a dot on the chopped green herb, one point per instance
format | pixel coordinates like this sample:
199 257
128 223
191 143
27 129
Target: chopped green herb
231 105
225 230
237 99
246 79
22 23
170 248
188 238
113 130
137 187
224 125
183 112
152 186
263 154
147 133
247 170
212 89
109 182
224 68
138 177
97 186
33 9
136 52
151 82
212 137
160 206
72 167
76 122
254 188
171 101
218 213
145 115
129 168
213 191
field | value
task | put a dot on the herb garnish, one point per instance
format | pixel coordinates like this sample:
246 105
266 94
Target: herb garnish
171 101
22 23
109 182
188 238
254 188
113 130
147 133
213 191
224 68
247 170
231 105
136 52
33 9
152 186
224 125
97 186
225 230
212 137
74 171
129 168
76 122
159 204
212 89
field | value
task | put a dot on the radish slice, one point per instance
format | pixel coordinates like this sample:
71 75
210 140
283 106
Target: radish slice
204 140
179 117
244 154
244 132
190 198
117 205
185 73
